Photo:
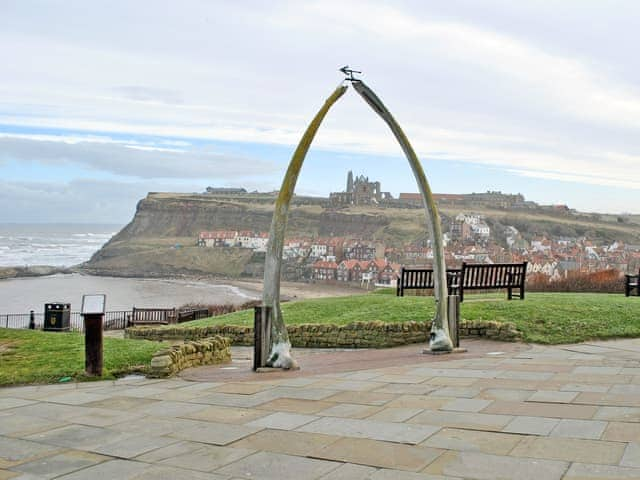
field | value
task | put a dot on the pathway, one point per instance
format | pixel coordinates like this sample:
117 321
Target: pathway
564 412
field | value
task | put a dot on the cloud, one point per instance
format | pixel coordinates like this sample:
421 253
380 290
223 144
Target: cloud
538 88
80 200
141 93
139 161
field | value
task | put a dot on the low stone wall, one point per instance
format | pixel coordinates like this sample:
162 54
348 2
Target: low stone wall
353 335
506 332
207 351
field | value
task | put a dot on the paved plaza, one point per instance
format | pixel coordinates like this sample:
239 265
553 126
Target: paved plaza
500 411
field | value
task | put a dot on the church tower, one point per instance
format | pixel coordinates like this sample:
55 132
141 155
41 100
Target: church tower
350 182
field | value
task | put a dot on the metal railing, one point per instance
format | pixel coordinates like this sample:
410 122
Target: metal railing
115 320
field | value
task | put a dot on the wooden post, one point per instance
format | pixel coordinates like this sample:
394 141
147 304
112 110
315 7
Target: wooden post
261 335
453 306
32 320
93 344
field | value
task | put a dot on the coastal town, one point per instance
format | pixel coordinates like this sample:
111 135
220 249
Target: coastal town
469 237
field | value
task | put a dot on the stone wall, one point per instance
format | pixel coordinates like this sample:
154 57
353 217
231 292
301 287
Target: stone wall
353 335
503 331
207 351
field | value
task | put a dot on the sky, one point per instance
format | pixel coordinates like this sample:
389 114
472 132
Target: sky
102 102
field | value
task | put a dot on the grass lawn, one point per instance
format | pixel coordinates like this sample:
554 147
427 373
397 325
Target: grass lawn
32 356
541 317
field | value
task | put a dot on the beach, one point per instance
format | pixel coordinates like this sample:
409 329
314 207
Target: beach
19 295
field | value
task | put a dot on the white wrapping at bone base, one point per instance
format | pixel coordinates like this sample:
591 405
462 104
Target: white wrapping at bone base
439 340
280 357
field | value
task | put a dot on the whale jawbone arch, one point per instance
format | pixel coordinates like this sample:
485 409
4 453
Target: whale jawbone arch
280 348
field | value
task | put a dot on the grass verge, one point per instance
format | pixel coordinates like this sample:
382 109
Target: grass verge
550 318
32 356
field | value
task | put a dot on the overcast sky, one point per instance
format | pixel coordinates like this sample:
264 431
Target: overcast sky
101 102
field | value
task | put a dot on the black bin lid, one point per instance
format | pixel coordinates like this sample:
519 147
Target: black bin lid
57 306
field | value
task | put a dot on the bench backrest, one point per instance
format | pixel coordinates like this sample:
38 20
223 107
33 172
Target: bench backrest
497 275
419 278
153 315
412 278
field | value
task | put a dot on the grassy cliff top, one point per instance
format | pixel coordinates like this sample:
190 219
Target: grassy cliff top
541 317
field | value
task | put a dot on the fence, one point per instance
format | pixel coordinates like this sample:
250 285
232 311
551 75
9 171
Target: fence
196 314
116 320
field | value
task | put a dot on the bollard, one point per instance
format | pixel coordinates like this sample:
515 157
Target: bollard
93 307
32 320
261 335
93 344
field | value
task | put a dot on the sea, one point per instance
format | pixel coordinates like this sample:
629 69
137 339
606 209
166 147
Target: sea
66 245
59 245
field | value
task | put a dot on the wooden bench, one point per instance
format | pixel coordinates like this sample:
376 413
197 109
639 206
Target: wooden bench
192 314
422 279
153 316
631 283
494 276
509 276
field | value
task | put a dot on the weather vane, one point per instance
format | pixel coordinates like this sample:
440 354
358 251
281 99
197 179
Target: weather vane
349 73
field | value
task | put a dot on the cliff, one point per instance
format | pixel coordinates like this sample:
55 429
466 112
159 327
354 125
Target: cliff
161 238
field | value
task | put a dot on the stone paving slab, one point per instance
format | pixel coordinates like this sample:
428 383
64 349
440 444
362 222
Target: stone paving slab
581 471
393 414
162 472
350 410
620 414
225 414
472 421
276 466
387 431
531 425
14 451
349 471
570 449
473 441
535 409
80 437
120 469
19 425
282 421
364 398
133 446
631 457
207 458
481 466
210 432
622 432
587 429
8 402
60 464
292 443
379 454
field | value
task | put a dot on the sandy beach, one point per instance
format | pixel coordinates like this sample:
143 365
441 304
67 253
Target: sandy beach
19 295
298 290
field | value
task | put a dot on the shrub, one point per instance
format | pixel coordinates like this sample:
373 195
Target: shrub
604 281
